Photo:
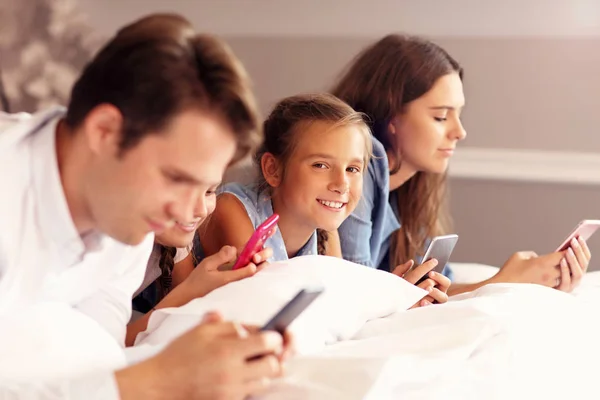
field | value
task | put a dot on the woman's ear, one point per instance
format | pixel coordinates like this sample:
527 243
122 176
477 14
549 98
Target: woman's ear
392 127
271 169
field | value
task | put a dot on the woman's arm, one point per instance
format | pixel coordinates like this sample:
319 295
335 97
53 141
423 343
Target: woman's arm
556 270
459 288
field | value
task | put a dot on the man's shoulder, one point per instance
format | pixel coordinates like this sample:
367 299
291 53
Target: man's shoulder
16 128
127 256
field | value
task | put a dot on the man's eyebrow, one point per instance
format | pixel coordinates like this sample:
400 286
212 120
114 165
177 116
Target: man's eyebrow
184 176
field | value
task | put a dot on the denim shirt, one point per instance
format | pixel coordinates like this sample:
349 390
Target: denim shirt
259 207
366 234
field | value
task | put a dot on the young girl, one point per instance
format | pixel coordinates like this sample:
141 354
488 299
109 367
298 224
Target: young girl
172 277
311 168
411 90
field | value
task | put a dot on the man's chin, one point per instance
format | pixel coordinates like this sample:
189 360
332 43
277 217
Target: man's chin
131 239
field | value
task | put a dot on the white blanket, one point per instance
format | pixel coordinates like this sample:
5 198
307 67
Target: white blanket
499 342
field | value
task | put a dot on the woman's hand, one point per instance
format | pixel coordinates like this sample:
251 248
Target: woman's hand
562 270
435 283
574 265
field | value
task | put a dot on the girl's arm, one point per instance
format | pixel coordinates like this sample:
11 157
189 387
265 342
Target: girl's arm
228 225
197 283
182 270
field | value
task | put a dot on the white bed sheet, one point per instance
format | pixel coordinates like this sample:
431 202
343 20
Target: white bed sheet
502 341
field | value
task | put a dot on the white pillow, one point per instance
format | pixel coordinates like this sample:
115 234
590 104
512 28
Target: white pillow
353 295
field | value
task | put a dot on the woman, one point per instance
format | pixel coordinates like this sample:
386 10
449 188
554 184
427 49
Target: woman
411 90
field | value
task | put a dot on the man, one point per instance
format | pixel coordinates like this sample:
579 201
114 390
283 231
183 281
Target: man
152 123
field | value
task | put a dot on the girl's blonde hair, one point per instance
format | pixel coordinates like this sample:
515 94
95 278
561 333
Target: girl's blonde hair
294 114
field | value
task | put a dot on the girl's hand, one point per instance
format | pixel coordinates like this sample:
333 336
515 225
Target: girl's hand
208 276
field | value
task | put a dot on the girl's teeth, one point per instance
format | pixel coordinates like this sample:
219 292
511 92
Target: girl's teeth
332 204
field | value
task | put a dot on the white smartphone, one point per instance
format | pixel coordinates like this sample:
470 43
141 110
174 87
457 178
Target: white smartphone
440 248
585 229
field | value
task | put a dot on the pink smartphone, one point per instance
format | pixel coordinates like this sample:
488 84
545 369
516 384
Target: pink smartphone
257 241
585 229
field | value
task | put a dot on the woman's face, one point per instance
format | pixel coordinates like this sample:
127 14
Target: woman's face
429 128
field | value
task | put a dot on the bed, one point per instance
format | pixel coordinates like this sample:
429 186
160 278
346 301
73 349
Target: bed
358 341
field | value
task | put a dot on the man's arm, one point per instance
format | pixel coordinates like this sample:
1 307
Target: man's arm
100 386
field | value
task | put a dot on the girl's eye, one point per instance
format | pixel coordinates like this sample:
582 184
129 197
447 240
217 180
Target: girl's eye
440 119
319 165
354 170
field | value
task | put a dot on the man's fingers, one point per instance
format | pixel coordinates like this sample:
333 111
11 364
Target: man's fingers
261 343
267 366
212 317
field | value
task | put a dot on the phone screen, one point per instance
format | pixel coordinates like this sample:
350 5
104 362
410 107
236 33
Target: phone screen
291 310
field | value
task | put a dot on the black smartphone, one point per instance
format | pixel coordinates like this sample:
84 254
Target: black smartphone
291 310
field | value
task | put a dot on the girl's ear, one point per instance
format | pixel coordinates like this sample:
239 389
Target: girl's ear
271 169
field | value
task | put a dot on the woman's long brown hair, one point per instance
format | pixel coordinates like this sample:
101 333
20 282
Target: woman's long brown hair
380 82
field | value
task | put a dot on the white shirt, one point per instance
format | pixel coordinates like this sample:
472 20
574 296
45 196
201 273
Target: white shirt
42 256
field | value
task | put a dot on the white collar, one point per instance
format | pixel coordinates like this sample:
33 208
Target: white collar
55 218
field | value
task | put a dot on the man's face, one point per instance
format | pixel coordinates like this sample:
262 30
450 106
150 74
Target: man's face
168 178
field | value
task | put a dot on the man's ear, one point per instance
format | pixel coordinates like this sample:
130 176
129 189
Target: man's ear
271 169
103 128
